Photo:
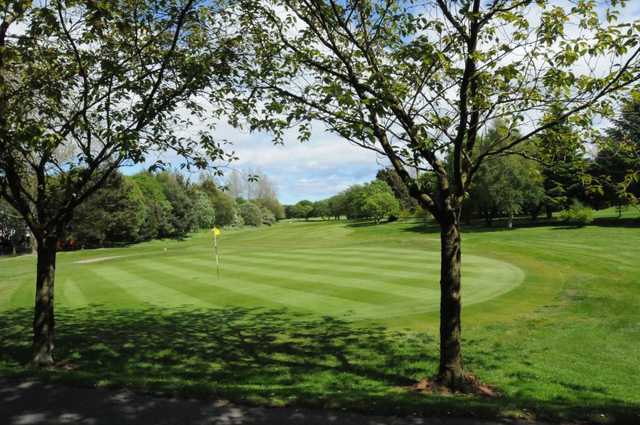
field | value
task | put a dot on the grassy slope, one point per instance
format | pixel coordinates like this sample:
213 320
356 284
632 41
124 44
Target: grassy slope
324 269
563 343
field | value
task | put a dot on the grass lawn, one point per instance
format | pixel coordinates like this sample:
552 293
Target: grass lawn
345 316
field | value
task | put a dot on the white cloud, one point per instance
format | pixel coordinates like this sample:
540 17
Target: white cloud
316 169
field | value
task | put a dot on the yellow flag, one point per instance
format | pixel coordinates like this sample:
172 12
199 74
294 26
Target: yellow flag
215 231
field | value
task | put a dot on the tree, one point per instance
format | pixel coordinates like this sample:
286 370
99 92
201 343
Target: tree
235 185
616 167
250 178
290 211
391 177
380 205
413 82
265 188
203 209
176 190
87 87
225 206
273 205
563 156
337 207
354 197
321 209
157 222
505 185
115 213
13 230
303 209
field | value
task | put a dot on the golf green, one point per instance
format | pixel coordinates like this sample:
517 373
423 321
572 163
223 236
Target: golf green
359 282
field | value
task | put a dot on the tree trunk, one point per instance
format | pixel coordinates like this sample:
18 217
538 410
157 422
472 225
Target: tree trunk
450 373
43 320
510 222
34 243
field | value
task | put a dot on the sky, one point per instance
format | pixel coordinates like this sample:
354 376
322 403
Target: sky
317 169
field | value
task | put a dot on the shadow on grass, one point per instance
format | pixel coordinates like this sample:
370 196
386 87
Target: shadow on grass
271 357
501 225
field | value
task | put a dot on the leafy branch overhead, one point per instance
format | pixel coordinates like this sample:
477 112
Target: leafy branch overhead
92 86
414 80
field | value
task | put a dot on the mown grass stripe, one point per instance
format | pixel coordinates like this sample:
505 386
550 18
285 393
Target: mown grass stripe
23 291
483 277
322 304
100 291
363 267
149 291
71 294
323 283
399 266
372 282
389 254
195 286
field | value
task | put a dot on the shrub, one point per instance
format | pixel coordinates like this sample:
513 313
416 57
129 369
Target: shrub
268 217
577 214
251 214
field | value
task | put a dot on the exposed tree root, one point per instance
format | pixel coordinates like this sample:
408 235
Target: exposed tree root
469 384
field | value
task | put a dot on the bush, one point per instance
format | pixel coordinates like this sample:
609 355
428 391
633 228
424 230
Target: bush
578 215
268 217
251 214
273 205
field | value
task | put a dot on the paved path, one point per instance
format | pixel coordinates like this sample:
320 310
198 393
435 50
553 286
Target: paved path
28 402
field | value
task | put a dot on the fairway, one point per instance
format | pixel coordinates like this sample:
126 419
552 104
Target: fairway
356 281
337 314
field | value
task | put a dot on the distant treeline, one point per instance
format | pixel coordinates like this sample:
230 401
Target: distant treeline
163 205
374 200
533 182
147 206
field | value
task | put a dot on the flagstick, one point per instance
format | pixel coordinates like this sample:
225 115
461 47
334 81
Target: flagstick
215 245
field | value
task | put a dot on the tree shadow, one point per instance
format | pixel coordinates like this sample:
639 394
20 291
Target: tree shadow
616 222
500 225
267 356
367 223
465 228
227 349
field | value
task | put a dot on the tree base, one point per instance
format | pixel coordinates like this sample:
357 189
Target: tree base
42 360
466 384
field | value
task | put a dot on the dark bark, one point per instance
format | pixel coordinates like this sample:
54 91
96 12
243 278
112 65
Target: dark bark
451 372
34 243
43 320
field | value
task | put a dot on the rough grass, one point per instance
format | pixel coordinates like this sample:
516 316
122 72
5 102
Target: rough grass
344 315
